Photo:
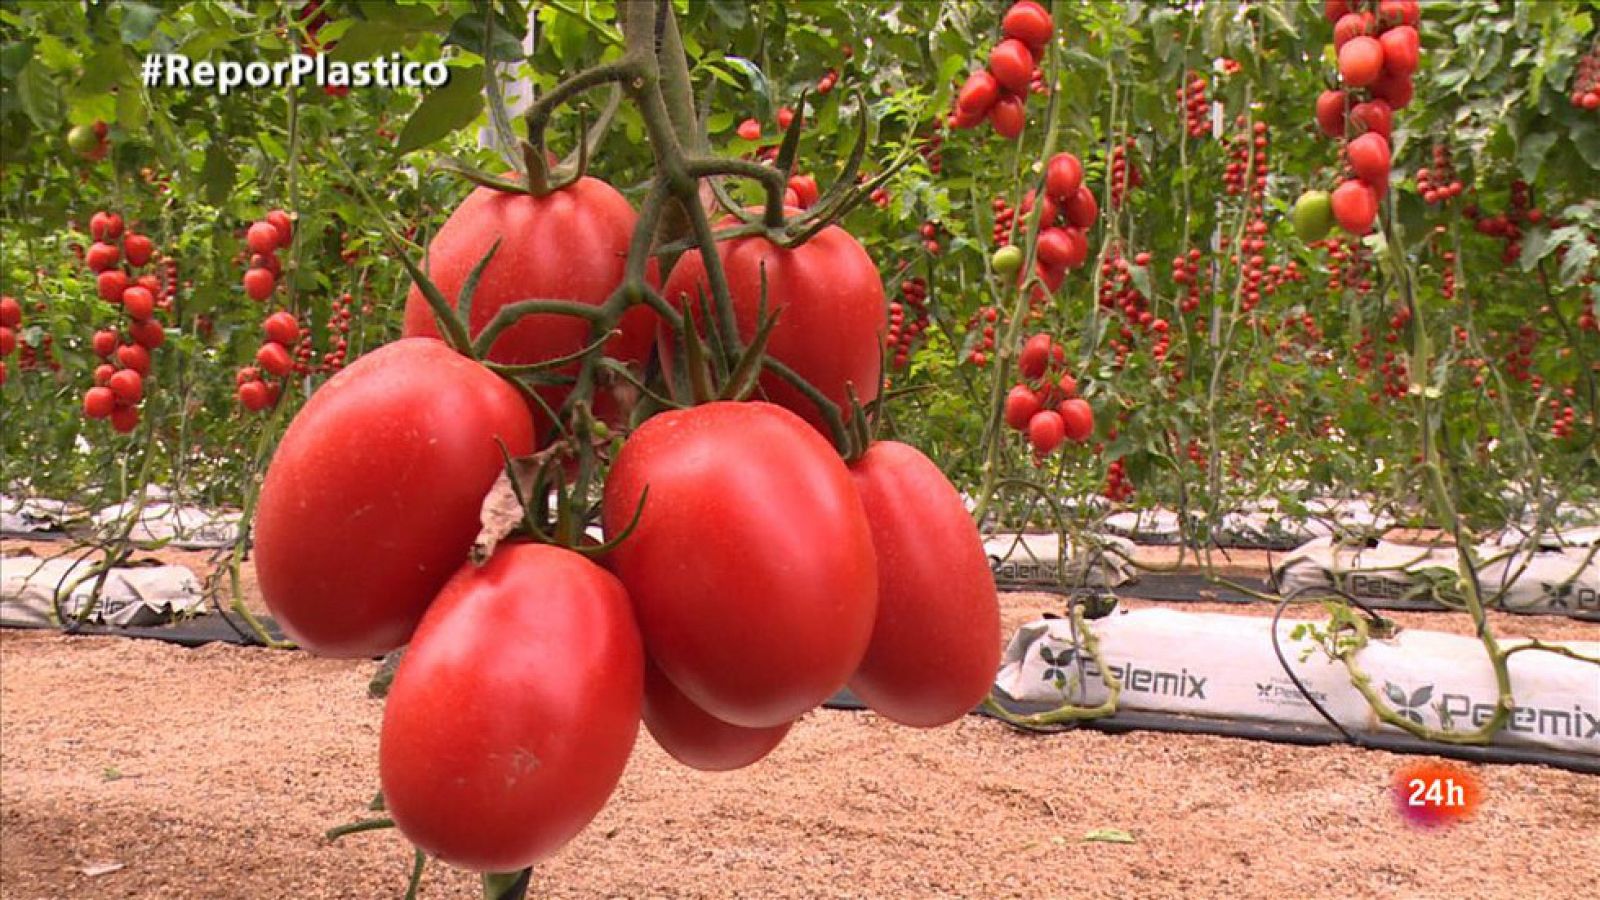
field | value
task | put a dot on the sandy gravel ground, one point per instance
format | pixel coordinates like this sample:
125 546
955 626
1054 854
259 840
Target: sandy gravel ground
213 773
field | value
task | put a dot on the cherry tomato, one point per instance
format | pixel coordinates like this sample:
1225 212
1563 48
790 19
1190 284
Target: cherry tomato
1046 431
1078 418
258 283
1360 61
1355 207
1021 403
1029 23
1063 176
1330 113
1035 356
978 94
1369 159
1011 62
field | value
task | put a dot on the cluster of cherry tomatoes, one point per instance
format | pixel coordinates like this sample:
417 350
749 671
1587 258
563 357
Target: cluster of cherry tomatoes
1125 172
1586 80
1119 489
1439 183
281 331
1045 405
264 239
1507 226
1378 49
10 322
913 296
1196 108
125 350
999 92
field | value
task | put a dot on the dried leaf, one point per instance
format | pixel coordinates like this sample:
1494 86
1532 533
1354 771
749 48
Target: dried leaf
97 869
501 512
1109 836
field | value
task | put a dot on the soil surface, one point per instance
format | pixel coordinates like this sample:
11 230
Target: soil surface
139 769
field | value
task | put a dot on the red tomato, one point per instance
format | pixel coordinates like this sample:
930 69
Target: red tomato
1375 115
124 419
255 396
1067 386
135 357
103 373
147 333
1055 249
139 303
258 284
1008 116
1063 176
138 249
1082 209
1330 113
1046 431
1396 90
805 190
1355 207
105 343
514 710
1029 23
831 327
775 610
696 738
978 94
280 221
104 226
1021 403
1360 61
1078 418
750 130
1035 356
568 245
127 386
102 256
1369 158
1334 10
281 328
98 402
936 645
1402 47
1350 25
346 562
262 237
1012 64
10 312
274 359
110 284
8 341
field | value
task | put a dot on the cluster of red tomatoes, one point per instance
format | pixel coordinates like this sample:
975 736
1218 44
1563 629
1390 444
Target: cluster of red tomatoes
1439 183
1247 161
999 93
10 322
265 238
1045 405
1125 173
1196 108
1378 49
1507 226
914 296
119 380
281 331
1586 80
754 574
1119 489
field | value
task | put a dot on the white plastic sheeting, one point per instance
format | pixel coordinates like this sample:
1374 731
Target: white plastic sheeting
130 595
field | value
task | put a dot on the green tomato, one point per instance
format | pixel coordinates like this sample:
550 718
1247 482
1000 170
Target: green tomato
1007 260
1313 215
82 138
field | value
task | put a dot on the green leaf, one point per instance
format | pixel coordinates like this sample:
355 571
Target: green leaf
217 175
732 13
1576 262
40 97
1109 836
273 147
371 39
444 110
132 113
467 33
1531 153
13 56
758 85
138 20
